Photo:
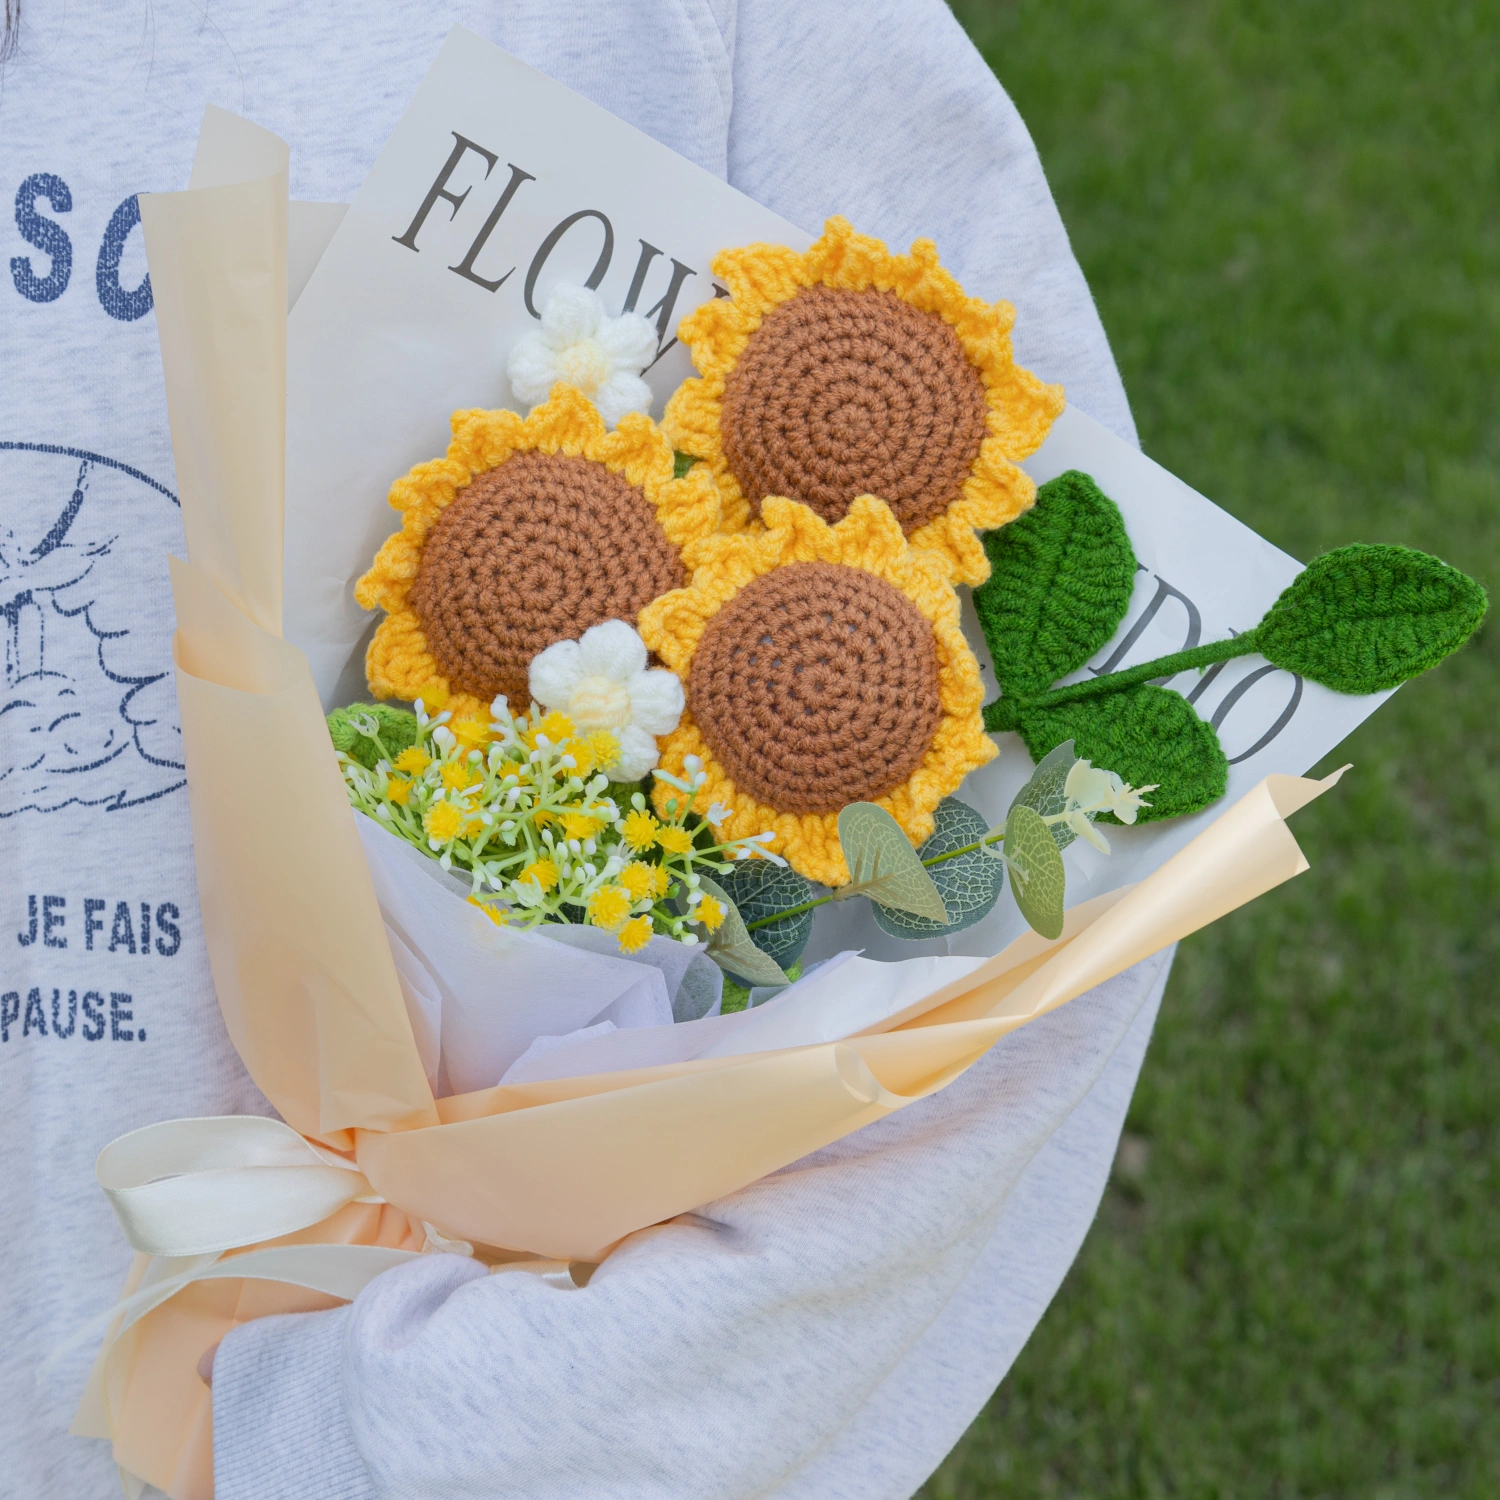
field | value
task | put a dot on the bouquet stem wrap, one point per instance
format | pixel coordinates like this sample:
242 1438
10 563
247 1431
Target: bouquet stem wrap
558 1170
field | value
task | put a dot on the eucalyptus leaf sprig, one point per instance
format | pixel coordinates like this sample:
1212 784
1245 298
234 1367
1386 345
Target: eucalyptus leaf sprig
953 880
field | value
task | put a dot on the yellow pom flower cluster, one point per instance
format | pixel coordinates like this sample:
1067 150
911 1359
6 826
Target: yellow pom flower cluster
519 804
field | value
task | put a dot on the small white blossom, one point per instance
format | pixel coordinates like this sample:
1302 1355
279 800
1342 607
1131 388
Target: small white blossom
1078 821
602 682
578 343
1090 789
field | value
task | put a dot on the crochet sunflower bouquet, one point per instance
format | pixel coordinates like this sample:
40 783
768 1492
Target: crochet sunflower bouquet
666 728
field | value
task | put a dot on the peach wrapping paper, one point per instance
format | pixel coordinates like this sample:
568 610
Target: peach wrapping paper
560 1169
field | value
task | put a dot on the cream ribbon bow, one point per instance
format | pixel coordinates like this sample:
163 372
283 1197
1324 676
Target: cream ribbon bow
185 1191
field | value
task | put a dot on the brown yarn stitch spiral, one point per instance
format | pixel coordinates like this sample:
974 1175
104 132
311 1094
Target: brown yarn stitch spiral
843 393
817 686
532 552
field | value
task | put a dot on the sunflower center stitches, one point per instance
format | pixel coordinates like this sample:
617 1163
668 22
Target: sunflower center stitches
846 393
532 552
817 686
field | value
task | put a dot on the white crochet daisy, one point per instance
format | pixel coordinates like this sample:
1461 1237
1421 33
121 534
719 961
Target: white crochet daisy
579 344
602 682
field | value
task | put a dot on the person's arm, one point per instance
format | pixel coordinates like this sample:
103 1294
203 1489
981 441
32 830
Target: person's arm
736 1352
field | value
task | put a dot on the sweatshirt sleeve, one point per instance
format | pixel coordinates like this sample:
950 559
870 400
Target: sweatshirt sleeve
883 111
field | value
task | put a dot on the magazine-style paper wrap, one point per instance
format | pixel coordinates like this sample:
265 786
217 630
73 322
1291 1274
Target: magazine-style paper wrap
239 1218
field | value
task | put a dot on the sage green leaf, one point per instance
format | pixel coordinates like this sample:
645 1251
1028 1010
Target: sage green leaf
1365 618
1036 870
883 865
761 888
1044 793
397 728
969 884
1145 735
1060 582
731 947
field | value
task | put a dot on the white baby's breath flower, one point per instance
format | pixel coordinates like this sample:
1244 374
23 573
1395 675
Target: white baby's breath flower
1079 822
1090 789
579 343
1087 787
1125 801
602 682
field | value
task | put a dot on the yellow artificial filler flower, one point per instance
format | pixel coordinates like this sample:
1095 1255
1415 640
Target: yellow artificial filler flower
640 831
608 907
823 665
675 840
846 371
528 532
635 934
637 879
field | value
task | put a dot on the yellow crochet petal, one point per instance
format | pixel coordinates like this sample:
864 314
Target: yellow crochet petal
1020 408
398 662
870 538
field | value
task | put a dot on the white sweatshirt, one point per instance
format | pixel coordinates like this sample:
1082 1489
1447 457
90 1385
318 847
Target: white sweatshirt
828 1332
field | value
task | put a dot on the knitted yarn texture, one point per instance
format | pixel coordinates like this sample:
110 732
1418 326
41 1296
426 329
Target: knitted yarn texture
1359 619
528 531
817 686
842 393
533 552
874 390
1060 584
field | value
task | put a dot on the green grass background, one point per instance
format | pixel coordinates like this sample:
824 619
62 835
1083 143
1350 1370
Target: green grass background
1290 215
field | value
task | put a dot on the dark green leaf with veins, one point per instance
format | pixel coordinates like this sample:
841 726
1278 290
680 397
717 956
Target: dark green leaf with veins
760 888
1363 619
1145 734
731 947
969 885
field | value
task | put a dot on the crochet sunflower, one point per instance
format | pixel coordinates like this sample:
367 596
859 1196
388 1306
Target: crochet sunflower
823 665
847 371
528 532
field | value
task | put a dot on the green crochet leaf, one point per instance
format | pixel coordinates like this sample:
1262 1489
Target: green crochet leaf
397 728
732 949
1365 618
1145 734
760 888
883 865
1036 871
681 463
969 885
1060 582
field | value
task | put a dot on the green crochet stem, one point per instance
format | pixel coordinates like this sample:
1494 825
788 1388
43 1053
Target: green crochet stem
937 859
1004 713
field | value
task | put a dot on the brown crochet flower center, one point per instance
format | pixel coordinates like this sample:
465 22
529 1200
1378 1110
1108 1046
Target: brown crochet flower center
840 394
817 686
532 552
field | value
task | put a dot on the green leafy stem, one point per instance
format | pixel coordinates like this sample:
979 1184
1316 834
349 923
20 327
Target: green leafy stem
1004 713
